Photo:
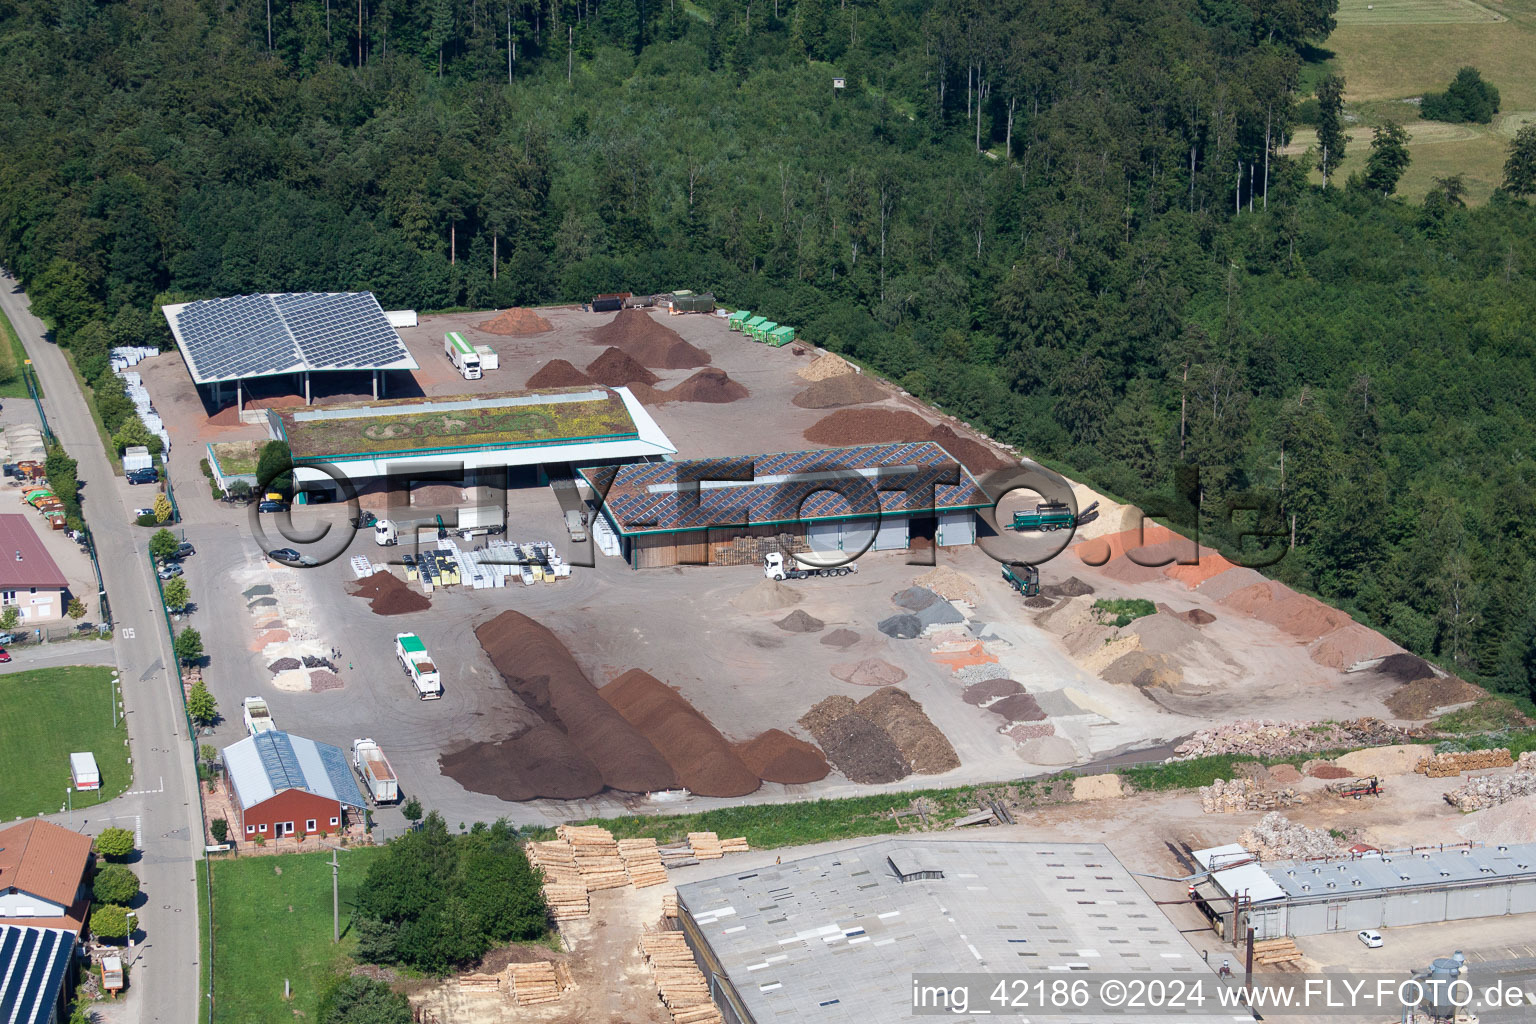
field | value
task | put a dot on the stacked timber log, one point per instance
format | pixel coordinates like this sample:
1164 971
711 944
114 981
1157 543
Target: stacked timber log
565 892
705 845
737 845
480 984
534 983
669 904
1449 765
642 862
678 979
1271 952
677 855
597 856
567 902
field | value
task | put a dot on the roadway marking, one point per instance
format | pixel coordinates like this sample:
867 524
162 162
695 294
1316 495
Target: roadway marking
148 792
127 632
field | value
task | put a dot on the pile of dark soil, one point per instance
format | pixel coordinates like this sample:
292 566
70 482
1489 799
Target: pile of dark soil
388 594
1198 617
836 392
868 426
1419 699
540 670
841 638
901 718
863 751
284 665
557 373
1405 668
776 756
902 627
1020 707
638 333
702 758
616 368
540 764
711 386
515 322
799 622
979 693
1039 601
1069 587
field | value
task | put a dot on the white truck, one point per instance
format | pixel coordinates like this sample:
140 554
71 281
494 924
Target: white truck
258 717
374 769
807 563
385 533
463 355
418 664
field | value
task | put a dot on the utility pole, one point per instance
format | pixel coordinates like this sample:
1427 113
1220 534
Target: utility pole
335 898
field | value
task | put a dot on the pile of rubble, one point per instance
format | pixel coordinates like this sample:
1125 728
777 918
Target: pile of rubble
1276 837
1237 795
1264 738
1483 791
1450 765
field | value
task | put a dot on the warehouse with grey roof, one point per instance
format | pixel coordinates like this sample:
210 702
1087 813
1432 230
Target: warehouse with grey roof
835 937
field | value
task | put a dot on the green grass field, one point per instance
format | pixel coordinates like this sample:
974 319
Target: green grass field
12 356
49 714
268 926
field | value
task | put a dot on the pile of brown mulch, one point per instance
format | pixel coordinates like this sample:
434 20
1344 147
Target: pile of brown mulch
540 764
637 333
799 622
776 756
839 391
616 368
284 665
388 594
1418 699
971 454
557 373
1405 668
539 669
1020 707
979 693
841 638
826 711
647 395
704 761
901 718
863 751
1039 601
710 385
514 322
890 426
1329 771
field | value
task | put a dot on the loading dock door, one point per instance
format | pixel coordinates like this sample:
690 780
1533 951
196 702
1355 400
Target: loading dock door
892 535
824 536
956 528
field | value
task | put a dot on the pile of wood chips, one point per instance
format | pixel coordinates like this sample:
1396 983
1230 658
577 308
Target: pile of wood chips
678 979
597 856
642 862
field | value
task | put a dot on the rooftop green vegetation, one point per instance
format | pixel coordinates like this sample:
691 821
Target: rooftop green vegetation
484 426
237 458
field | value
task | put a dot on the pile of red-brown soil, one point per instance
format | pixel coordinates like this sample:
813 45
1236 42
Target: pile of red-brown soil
798 621
973 455
836 392
1303 617
616 369
869 672
776 756
557 373
1020 707
1419 699
514 322
890 426
647 395
704 761
540 670
1329 771
388 594
637 333
709 385
540 764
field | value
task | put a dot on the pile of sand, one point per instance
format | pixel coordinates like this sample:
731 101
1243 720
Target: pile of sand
921 743
617 368
841 390
516 322
1097 787
1382 762
1349 645
540 670
1048 750
776 756
710 385
557 373
798 621
766 596
704 761
1303 617
1419 699
388 594
841 638
825 368
869 672
1509 823
649 342
1229 582
948 584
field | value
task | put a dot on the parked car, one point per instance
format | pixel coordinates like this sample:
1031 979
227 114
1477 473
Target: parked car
184 549
7 638
272 506
170 570
143 476
85 627
143 512
1371 938
283 555
5 656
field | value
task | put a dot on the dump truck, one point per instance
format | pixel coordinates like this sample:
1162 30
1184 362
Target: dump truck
258 717
807 563
462 354
374 769
1022 577
419 666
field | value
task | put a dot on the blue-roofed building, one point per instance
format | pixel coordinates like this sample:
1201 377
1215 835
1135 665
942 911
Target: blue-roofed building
288 786
733 511
36 971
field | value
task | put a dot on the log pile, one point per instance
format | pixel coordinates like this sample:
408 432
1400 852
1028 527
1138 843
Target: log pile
480 984
564 891
597 856
642 862
1275 951
736 845
534 983
567 902
1450 765
669 904
1483 791
1276 837
677 855
678 979
705 845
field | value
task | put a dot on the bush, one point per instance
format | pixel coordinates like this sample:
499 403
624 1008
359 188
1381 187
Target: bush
76 609
114 842
1467 99
110 921
274 466
360 1000
10 618
115 883
148 520
163 510
219 829
1123 611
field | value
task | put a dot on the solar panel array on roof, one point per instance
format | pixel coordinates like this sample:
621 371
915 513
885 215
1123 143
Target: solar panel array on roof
33 962
259 335
831 483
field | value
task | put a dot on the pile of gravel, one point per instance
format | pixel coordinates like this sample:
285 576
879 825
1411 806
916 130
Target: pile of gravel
902 627
981 673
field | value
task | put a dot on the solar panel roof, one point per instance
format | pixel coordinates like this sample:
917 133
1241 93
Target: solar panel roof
261 335
33 962
826 484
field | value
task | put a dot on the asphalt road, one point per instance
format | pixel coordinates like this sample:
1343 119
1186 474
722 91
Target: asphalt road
162 806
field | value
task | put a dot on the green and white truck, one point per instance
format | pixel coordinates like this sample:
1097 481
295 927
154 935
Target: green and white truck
463 355
418 664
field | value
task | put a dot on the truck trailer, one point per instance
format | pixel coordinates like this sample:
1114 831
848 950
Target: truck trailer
375 771
807 563
258 718
462 354
418 664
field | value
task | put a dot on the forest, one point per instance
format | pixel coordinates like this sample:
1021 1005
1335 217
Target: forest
1066 222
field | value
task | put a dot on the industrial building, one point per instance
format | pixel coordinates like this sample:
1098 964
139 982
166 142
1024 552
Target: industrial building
1373 890
286 785
234 340
36 974
835 937
733 511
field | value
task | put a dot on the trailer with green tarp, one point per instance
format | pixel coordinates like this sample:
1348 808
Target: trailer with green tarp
692 302
750 327
780 336
760 332
736 319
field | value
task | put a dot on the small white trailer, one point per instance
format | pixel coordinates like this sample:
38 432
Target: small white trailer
83 771
258 717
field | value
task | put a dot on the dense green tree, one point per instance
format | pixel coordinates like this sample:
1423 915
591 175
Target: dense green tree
115 883
188 645
1389 158
163 545
362 1000
176 593
201 707
1330 123
133 432
1468 98
109 921
114 842
1520 166
274 466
